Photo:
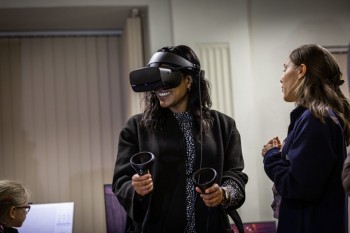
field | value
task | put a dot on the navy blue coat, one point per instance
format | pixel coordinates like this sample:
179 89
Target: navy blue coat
307 174
221 150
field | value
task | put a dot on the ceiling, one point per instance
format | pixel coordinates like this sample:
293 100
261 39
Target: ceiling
64 18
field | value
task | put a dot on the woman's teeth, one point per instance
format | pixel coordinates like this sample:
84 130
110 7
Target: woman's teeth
162 94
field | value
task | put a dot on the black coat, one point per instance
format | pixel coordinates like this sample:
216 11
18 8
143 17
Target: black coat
4 229
221 150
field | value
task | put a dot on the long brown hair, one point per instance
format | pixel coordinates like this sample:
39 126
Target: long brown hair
320 89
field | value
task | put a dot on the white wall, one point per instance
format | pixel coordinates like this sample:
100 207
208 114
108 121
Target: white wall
261 34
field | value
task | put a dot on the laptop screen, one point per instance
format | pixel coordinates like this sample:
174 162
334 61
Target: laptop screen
53 218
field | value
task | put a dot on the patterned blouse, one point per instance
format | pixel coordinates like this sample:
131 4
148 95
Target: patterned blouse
185 120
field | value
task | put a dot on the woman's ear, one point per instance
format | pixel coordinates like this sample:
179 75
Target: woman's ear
189 81
189 78
301 71
11 212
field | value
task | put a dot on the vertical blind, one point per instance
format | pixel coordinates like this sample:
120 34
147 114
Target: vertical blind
60 113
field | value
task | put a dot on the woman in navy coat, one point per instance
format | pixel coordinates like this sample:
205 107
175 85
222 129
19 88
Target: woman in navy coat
184 135
306 169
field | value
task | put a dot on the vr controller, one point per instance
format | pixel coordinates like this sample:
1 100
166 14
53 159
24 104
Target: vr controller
154 77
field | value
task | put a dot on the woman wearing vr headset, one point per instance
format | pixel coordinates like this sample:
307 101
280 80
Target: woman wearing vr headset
184 135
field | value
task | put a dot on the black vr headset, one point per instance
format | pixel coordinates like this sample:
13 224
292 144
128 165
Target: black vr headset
154 77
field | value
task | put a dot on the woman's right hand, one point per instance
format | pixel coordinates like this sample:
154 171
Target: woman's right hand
143 185
274 142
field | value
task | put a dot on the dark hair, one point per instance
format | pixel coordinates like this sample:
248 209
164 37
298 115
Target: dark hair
199 102
320 87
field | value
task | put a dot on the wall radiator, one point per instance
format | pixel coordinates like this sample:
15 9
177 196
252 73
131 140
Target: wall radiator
215 60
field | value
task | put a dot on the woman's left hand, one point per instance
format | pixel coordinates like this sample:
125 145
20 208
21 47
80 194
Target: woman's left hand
213 196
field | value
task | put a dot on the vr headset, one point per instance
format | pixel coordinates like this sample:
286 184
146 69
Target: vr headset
154 77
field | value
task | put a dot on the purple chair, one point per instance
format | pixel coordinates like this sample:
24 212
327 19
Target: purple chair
115 213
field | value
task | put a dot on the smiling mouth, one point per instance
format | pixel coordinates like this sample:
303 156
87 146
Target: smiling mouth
163 93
